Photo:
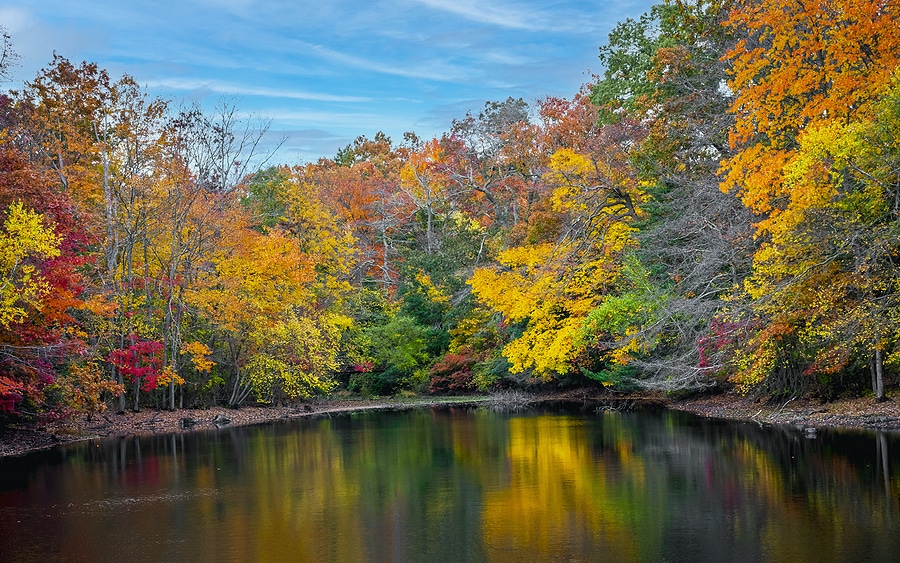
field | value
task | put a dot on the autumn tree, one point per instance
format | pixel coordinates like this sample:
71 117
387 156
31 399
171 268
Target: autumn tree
804 76
97 136
552 281
362 185
665 70
483 161
48 331
206 156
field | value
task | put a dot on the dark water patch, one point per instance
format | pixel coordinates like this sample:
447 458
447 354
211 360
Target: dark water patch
559 482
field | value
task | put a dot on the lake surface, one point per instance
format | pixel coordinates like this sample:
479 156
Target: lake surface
452 484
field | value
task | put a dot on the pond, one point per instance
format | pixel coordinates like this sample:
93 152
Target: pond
461 484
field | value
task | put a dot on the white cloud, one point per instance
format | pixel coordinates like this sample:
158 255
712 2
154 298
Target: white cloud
503 16
434 70
330 118
243 90
518 16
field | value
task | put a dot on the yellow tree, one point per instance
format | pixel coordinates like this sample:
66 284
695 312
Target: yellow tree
254 278
804 77
277 295
23 239
554 280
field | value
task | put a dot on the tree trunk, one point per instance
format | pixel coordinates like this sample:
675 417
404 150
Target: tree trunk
117 375
879 375
872 373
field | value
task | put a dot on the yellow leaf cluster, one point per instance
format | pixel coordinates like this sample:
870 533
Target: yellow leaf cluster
168 375
199 354
256 280
553 305
84 385
23 236
434 294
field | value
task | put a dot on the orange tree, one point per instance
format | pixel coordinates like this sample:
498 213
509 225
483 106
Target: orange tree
806 78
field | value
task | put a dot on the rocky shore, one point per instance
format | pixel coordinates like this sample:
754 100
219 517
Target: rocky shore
854 413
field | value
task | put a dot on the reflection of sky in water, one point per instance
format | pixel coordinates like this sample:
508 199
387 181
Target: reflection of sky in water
461 485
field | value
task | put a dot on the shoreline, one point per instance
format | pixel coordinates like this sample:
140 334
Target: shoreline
863 413
19 440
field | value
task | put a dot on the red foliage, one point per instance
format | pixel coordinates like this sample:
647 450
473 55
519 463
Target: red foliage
142 361
453 374
10 394
36 345
23 382
721 342
21 181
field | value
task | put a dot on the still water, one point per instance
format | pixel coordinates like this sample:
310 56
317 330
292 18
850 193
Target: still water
461 485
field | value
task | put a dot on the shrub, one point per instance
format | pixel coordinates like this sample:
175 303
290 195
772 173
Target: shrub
452 374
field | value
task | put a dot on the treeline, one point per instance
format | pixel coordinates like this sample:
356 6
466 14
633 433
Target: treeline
719 209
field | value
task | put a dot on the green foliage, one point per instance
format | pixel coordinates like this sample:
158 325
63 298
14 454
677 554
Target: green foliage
401 344
628 59
399 350
491 374
618 377
265 197
621 321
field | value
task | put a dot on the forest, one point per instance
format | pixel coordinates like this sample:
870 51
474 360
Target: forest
719 209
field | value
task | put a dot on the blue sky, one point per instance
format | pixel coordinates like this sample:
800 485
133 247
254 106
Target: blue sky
327 71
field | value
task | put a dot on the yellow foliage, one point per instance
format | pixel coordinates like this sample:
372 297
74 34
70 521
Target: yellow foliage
255 280
166 376
553 285
528 256
295 357
552 299
199 354
548 346
434 294
84 385
23 236
569 170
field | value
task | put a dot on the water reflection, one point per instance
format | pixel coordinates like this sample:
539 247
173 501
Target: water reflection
461 485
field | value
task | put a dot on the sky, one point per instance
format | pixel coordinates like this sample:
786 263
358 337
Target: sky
324 72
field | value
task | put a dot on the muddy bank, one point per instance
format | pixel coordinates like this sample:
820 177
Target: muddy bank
853 413
864 412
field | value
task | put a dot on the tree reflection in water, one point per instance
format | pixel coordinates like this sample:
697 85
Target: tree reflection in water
461 485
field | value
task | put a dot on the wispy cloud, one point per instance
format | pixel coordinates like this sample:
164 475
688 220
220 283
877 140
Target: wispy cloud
517 16
503 16
330 118
433 70
343 67
243 90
